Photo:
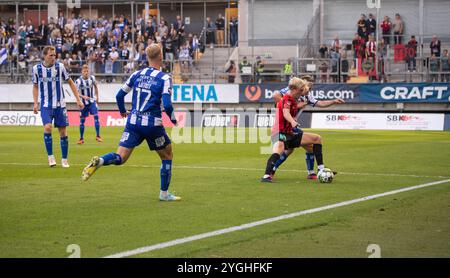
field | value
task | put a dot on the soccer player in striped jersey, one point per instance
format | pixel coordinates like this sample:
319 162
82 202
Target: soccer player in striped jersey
48 77
152 91
86 84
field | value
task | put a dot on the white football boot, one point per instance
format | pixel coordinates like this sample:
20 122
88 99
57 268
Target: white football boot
65 163
51 161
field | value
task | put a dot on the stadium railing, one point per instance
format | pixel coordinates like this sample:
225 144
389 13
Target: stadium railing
390 69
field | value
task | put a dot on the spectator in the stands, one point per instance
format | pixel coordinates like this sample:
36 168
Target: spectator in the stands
162 27
99 57
323 51
150 29
209 25
345 66
259 70
386 26
323 68
114 57
184 57
371 49
399 27
22 35
445 62
27 47
362 26
179 23
411 53
371 25
56 40
435 46
195 48
126 34
163 21
220 30
75 63
245 70
152 19
124 51
231 71
335 60
84 24
139 25
234 31
142 58
175 43
434 68
181 35
62 20
30 29
287 70
43 33
90 39
336 44
168 46
356 45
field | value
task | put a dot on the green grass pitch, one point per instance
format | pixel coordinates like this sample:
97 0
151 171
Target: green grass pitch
43 210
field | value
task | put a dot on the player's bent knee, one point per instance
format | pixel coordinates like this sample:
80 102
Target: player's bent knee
308 148
318 139
166 153
48 128
62 131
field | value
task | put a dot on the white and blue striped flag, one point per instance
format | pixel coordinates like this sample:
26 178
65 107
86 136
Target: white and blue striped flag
3 56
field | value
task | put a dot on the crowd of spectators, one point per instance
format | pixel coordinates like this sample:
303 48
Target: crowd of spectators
215 31
106 45
115 45
365 48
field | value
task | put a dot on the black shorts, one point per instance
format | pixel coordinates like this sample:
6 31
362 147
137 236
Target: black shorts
291 141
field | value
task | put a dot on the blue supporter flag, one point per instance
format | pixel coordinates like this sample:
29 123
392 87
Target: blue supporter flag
3 56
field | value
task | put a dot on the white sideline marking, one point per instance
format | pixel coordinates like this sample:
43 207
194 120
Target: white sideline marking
265 221
236 169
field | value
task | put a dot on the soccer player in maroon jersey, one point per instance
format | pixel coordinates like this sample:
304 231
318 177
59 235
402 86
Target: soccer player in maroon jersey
286 134
312 101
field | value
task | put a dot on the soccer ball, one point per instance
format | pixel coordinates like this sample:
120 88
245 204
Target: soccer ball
325 176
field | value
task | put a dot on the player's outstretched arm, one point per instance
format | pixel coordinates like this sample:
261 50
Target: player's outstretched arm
120 100
167 103
328 103
74 89
96 93
166 99
124 90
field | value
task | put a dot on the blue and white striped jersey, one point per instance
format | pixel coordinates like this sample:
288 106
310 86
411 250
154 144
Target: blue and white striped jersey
309 98
86 88
49 81
148 86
